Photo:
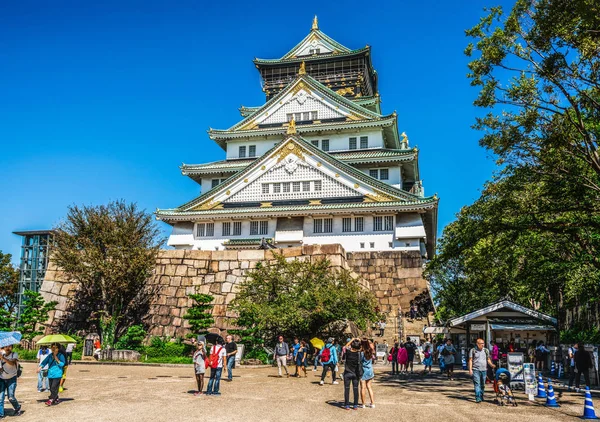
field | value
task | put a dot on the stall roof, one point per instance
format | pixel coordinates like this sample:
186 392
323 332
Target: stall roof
522 327
435 330
503 304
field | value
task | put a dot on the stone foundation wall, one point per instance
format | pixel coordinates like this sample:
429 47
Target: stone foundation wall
394 277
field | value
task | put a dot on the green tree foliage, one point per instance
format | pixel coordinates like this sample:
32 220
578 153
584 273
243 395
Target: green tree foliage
9 285
534 234
133 339
110 251
301 298
199 314
34 314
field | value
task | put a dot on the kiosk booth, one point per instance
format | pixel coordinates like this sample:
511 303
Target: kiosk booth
502 322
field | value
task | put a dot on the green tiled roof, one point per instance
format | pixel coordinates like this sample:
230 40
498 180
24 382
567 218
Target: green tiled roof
231 165
246 241
375 153
313 57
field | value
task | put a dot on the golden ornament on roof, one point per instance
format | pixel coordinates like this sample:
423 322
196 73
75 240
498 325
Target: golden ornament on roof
302 70
315 24
291 130
404 137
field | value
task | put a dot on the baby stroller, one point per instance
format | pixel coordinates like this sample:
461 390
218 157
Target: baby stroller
504 395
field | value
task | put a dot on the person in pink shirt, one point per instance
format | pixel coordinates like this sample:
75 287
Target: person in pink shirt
402 358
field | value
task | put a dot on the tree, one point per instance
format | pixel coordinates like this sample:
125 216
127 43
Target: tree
34 314
301 298
9 284
110 251
198 315
133 339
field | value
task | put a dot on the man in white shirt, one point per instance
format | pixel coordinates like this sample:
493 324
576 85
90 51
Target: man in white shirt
70 347
219 353
43 374
9 361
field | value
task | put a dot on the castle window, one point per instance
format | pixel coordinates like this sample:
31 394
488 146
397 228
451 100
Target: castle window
388 221
391 244
314 115
384 174
289 117
237 228
346 224
377 224
318 185
359 224
305 186
325 144
372 245
252 151
352 143
214 183
264 227
276 187
286 187
296 186
364 142
242 152
323 225
315 143
362 245
226 230
205 229
253 227
259 227
265 188
374 173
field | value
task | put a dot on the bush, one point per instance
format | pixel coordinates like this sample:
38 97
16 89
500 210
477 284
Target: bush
259 355
579 333
133 339
163 348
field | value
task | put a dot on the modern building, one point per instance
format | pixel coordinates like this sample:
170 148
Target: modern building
318 163
34 261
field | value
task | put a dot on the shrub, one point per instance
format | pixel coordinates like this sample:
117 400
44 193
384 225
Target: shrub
133 339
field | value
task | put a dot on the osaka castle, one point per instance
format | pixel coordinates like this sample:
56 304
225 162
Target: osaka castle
317 163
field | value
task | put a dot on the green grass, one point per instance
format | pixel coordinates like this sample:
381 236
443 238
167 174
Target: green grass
167 359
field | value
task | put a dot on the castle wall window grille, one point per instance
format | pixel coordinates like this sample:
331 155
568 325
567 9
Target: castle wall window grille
214 183
237 228
286 187
346 224
259 227
364 142
242 151
305 186
264 227
276 187
265 188
318 185
385 223
381 174
226 229
323 225
359 224
296 186
352 143
325 144
315 143
252 151
205 229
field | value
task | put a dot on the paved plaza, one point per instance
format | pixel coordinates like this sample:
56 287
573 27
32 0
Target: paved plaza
147 393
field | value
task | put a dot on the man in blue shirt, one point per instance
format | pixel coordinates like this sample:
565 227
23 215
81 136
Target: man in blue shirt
329 359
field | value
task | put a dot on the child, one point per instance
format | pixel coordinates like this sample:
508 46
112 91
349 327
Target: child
199 366
428 361
506 394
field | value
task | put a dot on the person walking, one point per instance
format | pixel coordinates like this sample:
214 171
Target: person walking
382 326
69 349
295 348
428 359
280 355
540 356
56 363
440 357
393 358
329 361
231 350
366 381
572 369
301 358
216 361
43 374
9 362
316 352
583 364
449 353
199 366
353 371
411 348
402 358
479 359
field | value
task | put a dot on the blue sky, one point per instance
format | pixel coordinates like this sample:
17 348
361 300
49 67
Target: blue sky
104 100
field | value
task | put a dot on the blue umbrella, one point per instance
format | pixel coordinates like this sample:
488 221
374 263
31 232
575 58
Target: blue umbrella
8 338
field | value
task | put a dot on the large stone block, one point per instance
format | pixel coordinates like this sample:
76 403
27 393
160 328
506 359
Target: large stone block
223 265
171 253
195 254
251 254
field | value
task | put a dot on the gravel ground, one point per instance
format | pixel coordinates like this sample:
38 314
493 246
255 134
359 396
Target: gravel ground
138 393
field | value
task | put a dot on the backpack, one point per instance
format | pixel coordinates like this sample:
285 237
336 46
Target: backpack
213 359
539 354
19 371
326 354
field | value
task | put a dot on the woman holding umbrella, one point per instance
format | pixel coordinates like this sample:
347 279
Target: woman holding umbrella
56 362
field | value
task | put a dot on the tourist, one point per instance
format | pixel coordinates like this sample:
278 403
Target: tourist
69 349
572 369
448 354
63 351
199 366
316 352
540 356
511 346
301 358
9 361
295 348
55 362
216 361
329 360
495 353
231 350
440 358
353 372
366 381
385 358
97 348
43 374
402 358
393 358
428 359
479 359
382 326
410 347
413 311
583 364
280 355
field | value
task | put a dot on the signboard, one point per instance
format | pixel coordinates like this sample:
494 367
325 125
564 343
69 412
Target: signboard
381 350
477 327
529 380
240 353
515 363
